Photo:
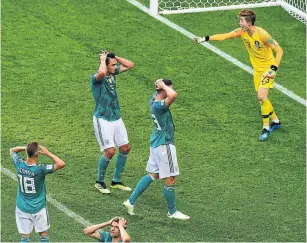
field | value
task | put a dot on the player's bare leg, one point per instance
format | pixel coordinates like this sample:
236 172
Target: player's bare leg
44 236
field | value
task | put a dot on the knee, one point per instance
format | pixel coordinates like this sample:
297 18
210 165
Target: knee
154 176
44 233
170 181
125 149
109 153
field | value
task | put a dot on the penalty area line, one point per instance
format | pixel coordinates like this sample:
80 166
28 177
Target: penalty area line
219 52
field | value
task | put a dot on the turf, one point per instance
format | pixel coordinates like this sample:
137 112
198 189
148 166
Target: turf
234 187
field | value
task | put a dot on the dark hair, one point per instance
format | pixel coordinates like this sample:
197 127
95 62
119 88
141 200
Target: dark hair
110 56
167 82
32 149
249 15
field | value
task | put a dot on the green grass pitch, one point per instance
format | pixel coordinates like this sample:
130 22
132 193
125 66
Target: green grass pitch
234 187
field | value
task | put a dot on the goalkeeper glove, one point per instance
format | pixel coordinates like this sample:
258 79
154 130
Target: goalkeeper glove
271 73
201 39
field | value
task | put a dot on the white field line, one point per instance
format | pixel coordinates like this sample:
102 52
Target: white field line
216 50
54 202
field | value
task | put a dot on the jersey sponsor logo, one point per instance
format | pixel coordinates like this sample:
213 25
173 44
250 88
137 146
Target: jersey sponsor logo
106 141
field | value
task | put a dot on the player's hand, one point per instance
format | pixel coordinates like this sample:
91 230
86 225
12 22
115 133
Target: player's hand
123 222
43 150
271 73
112 219
159 84
103 55
198 40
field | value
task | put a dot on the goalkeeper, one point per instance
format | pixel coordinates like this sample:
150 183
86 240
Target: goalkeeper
259 45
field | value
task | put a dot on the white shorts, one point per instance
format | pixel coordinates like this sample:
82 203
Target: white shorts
110 133
163 160
26 221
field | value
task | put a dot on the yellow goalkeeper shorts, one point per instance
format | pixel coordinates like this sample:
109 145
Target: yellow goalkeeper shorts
259 81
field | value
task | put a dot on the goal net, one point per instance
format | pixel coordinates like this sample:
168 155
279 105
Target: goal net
296 8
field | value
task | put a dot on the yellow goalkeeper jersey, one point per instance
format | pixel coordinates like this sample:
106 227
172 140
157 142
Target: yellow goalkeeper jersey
259 47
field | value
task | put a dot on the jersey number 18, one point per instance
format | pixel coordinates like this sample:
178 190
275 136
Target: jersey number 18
26 184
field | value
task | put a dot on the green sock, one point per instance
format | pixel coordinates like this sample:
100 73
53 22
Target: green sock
24 239
169 195
44 238
142 185
103 163
120 163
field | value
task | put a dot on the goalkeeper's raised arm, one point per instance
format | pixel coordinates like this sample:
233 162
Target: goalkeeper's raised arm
219 37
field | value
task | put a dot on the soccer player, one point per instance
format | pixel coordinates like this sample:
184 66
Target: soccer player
109 127
259 45
117 232
162 161
31 210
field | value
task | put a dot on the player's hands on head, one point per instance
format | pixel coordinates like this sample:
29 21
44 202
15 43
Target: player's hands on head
103 54
43 150
159 84
123 222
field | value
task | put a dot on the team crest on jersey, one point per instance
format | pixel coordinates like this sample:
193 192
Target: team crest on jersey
106 141
257 44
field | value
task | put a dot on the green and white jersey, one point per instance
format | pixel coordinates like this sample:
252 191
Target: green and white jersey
164 129
105 96
31 194
106 237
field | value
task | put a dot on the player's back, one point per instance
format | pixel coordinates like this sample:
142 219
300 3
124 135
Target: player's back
31 194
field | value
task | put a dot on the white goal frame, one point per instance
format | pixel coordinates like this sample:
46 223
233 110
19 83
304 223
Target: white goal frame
155 9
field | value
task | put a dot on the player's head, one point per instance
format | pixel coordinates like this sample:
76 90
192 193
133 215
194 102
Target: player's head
32 149
247 18
111 62
167 82
114 231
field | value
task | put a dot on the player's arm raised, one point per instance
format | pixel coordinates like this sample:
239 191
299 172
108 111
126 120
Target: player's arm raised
122 228
17 150
92 231
125 64
171 94
219 37
102 71
58 163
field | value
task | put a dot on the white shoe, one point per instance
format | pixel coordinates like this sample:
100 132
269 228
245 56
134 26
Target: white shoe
129 207
102 188
178 215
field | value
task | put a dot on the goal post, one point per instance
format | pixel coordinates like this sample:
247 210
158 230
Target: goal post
296 8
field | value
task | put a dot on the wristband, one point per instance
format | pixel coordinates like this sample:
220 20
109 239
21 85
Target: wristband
274 68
